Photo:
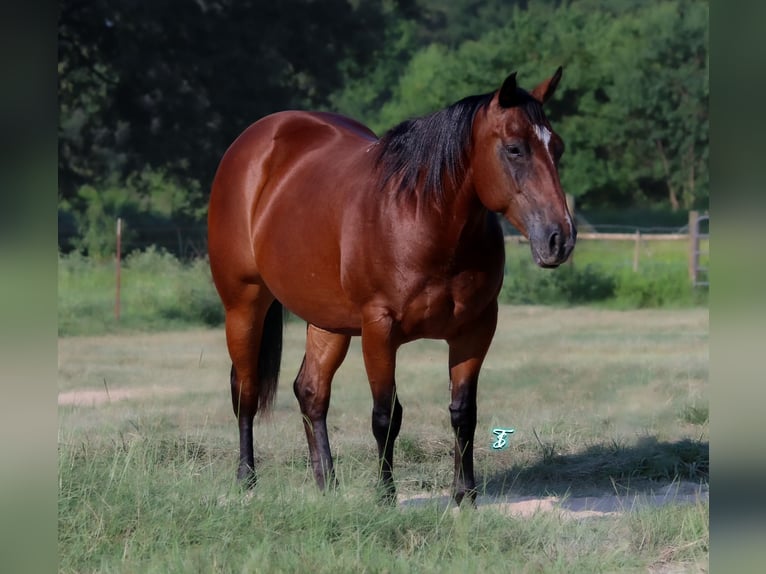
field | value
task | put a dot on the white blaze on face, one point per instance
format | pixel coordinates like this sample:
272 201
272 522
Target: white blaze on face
544 135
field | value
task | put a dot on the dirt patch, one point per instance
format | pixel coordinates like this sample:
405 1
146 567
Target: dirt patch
568 508
94 397
577 507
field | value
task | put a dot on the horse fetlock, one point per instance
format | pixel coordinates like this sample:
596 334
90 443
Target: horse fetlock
246 476
465 497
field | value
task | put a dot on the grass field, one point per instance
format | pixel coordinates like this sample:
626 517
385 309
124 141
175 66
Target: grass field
602 401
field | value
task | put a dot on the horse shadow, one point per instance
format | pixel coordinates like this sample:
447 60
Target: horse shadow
599 479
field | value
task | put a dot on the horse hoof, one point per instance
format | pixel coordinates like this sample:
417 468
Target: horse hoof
465 498
247 478
387 496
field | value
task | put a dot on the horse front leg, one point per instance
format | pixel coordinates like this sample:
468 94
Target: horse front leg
325 352
466 356
379 347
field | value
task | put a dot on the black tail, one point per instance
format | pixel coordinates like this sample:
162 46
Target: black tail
269 358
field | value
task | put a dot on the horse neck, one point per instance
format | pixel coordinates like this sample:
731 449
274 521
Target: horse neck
461 213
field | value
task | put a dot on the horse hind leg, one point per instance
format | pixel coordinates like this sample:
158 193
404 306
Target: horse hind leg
254 340
325 352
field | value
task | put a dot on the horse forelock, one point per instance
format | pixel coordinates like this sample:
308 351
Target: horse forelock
423 155
532 108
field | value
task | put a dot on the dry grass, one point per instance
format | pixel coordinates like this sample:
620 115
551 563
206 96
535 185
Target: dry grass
591 384
603 403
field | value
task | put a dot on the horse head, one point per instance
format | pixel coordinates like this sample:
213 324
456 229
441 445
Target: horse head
515 168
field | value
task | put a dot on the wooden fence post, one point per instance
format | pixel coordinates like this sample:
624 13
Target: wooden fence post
636 250
119 265
693 251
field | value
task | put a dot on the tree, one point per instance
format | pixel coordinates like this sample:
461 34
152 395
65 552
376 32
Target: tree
661 80
632 107
169 84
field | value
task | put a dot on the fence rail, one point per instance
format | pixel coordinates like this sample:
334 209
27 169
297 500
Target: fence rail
698 274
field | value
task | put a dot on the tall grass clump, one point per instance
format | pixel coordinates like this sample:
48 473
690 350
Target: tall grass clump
158 292
527 284
656 286
593 280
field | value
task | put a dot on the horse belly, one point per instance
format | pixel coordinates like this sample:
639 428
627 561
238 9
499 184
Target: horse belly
298 255
312 294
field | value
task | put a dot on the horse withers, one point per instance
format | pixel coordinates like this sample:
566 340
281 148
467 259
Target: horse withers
392 238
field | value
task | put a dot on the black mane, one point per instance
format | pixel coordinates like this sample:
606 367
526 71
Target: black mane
432 150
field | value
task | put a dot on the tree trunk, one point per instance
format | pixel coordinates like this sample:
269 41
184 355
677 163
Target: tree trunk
672 194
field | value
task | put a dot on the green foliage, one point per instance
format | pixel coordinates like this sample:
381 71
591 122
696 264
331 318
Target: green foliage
158 292
632 107
185 294
648 219
660 92
602 272
657 286
525 284
96 222
153 208
169 85
364 93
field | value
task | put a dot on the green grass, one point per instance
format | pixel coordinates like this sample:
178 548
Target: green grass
602 401
158 292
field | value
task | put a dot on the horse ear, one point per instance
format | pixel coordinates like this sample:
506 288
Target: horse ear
545 90
507 95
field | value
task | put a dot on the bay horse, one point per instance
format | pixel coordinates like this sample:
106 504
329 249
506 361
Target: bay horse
392 238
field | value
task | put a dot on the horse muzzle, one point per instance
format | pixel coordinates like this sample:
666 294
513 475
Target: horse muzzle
552 244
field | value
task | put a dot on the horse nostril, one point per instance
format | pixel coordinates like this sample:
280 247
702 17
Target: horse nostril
554 242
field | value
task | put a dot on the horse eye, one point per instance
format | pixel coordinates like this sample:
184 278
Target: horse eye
513 150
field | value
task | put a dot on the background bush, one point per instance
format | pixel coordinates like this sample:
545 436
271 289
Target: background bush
525 284
657 286
158 292
601 272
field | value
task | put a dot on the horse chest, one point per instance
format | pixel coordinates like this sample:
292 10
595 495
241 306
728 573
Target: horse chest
442 307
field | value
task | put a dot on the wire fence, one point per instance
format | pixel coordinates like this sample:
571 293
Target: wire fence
620 247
